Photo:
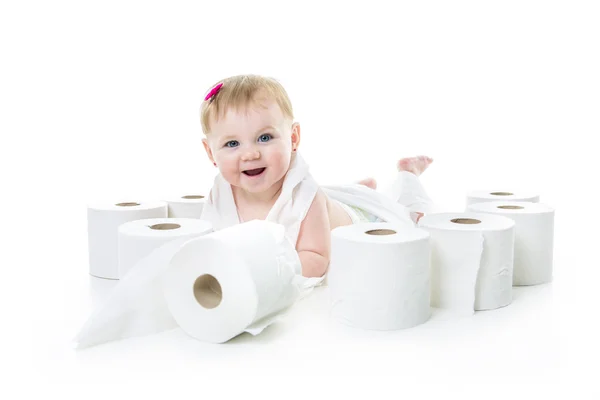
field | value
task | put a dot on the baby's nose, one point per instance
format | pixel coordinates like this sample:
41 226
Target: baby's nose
251 155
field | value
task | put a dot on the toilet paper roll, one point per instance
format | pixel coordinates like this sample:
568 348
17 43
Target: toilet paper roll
239 279
472 258
188 206
137 305
103 223
379 276
481 196
139 238
534 238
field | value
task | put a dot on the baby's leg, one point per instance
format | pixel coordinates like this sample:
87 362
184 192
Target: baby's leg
369 182
416 165
407 189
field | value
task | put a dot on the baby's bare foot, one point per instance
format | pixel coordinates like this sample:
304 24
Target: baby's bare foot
369 182
416 165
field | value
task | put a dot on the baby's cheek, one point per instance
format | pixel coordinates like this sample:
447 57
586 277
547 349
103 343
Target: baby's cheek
228 168
283 157
225 161
282 161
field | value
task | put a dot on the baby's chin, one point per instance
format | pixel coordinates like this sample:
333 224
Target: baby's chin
254 189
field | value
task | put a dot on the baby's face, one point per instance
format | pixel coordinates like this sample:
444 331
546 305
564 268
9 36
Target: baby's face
252 147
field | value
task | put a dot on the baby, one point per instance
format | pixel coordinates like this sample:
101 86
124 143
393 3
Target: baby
251 137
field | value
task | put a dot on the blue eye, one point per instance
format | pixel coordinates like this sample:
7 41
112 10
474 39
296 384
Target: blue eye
232 143
264 138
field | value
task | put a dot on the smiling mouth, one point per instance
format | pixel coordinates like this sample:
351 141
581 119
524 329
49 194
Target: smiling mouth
254 172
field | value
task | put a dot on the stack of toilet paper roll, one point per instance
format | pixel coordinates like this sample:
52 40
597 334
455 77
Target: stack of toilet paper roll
214 286
103 223
188 206
379 276
534 238
105 231
471 260
174 270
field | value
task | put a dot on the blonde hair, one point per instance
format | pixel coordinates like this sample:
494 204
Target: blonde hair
239 92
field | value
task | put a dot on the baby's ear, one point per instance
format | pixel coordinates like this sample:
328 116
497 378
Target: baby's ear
208 150
295 135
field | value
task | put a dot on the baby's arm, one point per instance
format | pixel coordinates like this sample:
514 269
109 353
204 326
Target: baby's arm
314 239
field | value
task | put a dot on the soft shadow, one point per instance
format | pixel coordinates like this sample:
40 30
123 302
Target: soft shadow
270 334
521 293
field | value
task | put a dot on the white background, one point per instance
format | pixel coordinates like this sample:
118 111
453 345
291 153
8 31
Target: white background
99 100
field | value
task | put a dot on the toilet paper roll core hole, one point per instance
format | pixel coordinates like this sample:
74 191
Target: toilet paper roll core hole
380 232
470 221
164 227
127 204
192 197
207 291
511 207
501 194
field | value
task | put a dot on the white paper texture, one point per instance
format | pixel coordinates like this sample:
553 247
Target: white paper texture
471 265
494 279
187 206
380 282
455 261
534 238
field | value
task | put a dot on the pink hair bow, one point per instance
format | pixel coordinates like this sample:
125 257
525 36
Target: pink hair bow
213 91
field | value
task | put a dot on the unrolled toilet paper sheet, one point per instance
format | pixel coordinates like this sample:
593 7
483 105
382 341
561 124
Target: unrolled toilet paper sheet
136 306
